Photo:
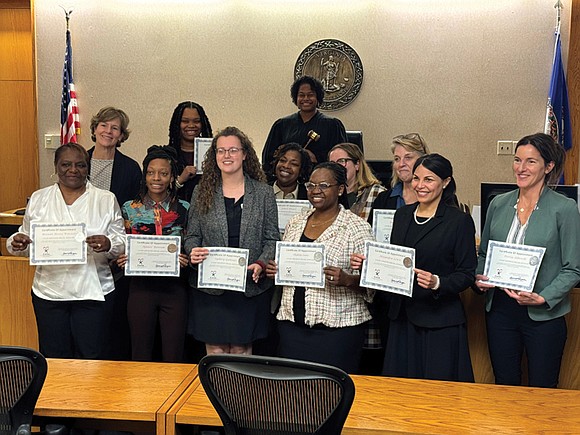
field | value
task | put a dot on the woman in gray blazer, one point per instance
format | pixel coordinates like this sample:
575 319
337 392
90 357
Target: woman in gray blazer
232 206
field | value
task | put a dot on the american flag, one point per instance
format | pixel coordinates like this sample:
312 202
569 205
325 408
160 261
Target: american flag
70 126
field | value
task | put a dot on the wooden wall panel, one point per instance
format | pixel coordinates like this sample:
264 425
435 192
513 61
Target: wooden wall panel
475 311
17 322
16 42
19 163
573 82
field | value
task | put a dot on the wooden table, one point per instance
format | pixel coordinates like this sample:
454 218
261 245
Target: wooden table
115 394
409 406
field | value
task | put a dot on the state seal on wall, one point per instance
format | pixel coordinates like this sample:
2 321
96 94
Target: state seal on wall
337 66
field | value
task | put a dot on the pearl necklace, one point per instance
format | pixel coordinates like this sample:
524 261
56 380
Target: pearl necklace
425 221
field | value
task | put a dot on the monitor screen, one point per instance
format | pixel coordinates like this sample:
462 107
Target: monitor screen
491 190
383 169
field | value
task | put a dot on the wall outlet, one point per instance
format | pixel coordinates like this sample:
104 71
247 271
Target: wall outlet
51 141
505 147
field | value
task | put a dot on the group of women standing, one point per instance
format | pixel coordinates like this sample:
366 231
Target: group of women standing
231 205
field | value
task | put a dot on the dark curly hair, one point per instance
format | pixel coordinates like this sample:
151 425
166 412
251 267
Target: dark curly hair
305 162
212 176
159 152
339 173
315 84
175 126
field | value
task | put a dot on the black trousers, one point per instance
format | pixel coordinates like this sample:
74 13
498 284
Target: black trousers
157 301
70 329
510 331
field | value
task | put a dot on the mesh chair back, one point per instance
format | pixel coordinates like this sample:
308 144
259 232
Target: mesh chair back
22 374
259 395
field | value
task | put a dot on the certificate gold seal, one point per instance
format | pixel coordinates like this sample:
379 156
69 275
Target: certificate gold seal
172 248
317 256
241 261
337 66
534 261
407 262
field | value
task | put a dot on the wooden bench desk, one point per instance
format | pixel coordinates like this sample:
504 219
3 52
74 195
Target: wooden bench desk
112 393
409 406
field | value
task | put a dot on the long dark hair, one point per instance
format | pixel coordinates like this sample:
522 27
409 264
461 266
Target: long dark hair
441 167
175 126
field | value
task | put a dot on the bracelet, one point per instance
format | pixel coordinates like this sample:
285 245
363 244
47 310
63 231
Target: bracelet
178 184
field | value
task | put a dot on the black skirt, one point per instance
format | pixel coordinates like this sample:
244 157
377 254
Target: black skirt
427 353
230 318
339 347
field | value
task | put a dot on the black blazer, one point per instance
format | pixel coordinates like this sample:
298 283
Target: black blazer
446 249
126 177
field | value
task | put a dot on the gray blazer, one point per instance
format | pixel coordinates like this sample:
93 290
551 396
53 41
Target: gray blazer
258 230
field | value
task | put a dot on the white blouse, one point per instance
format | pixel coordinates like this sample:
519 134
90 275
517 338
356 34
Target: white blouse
99 210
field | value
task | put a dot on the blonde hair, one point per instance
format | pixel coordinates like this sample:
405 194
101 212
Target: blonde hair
364 175
412 142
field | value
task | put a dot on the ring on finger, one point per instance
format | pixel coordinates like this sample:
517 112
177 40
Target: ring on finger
331 278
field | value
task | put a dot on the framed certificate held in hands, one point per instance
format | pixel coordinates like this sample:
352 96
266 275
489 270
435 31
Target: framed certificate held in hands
225 269
57 244
388 268
200 147
513 266
300 264
149 255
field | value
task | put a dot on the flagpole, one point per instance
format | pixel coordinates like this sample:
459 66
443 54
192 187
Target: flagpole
68 13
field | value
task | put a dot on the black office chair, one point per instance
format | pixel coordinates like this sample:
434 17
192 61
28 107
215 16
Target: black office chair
22 374
261 395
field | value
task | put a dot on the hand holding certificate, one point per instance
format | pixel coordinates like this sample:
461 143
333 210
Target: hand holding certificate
300 264
224 268
54 243
388 268
513 266
152 255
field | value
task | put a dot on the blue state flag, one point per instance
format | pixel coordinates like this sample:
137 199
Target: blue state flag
558 123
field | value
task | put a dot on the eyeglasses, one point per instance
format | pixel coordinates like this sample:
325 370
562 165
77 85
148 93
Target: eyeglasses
321 186
230 151
344 161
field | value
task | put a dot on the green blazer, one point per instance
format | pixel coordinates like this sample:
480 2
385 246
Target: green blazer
555 225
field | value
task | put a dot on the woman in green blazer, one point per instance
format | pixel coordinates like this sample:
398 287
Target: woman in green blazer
532 215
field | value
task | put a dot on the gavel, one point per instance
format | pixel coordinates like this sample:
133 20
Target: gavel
312 137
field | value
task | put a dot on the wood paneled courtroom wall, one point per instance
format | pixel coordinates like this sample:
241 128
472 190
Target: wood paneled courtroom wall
18 126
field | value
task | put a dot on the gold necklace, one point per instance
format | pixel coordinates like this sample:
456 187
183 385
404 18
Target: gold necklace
314 225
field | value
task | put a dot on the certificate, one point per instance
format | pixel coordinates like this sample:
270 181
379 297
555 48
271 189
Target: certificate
300 264
55 243
152 255
388 268
200 146
383 224
225 269
288 208
513 266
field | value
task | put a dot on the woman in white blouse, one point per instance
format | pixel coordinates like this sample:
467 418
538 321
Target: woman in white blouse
69 300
